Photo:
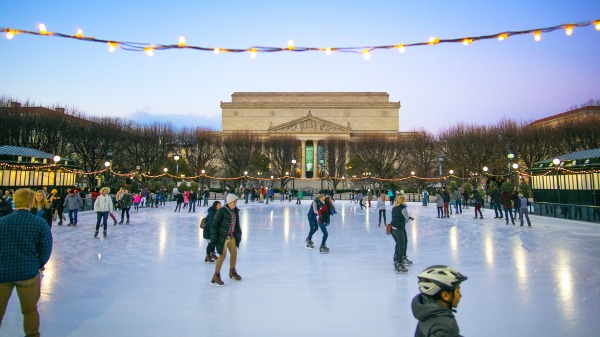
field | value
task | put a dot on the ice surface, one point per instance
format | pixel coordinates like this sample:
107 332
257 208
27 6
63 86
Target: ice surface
150 279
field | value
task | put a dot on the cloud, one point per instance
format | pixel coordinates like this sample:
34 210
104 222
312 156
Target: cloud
178 121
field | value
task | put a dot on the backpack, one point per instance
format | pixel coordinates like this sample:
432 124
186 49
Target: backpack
203 222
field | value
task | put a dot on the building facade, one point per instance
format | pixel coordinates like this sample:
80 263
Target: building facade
311 117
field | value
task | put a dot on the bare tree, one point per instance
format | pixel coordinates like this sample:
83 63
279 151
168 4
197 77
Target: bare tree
281 151
422 153
335 150
240 152
201 149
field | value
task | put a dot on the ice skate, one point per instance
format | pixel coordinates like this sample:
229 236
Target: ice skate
407 262
208 259
96 235
234 275
309 244
104 233
213 256
216 281
324 249
400 268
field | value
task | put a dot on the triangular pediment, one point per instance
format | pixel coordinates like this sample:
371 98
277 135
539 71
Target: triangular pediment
310 124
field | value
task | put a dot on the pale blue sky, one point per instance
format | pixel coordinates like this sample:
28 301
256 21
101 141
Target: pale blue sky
437 86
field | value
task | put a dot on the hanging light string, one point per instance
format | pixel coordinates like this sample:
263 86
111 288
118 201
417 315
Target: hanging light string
149 48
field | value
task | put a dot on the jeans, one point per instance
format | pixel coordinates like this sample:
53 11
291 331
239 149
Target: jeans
399 236
192 205
73 216
323 227
478 209
177 207
314 227
458 206
524 213
125 210
205 201
507 212
29 294
498 209
382 211
101 216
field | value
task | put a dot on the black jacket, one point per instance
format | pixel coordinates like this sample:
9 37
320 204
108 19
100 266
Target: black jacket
434 319
220 227
47 214
210 217
5 207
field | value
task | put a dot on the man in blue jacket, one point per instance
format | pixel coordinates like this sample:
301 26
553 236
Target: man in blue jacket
25 247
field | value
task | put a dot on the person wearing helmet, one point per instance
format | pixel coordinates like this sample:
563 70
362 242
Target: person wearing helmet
433 307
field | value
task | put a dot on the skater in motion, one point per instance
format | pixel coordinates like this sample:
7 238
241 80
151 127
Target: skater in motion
478 203
103 205
312 219
380 206
210 217
226 234
399 219
433 307
323 220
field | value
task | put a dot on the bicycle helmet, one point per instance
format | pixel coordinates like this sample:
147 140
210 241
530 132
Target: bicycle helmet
439 277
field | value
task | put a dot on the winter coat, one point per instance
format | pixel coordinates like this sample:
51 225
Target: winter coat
515 198
58 202
5 208
315 207
399 217
126 200
369 195
496 195
324 214
446 196
434 319
103 203
523 202
477 197
439 201
210 217
73 202
457 195
505 199
220 227
380 205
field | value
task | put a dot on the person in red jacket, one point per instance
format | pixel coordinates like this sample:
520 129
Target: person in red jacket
324 217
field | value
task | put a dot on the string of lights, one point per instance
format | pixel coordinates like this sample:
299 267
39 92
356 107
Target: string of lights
57 167
149 48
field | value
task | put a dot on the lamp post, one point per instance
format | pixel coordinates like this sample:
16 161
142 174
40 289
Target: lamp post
56 160
557 162
515 166
245 178
176 158
293 172
441 159
203 177
107 165
511 157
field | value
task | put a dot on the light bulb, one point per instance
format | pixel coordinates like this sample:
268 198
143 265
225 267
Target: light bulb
366 54
401 48
597 24
434 40
327 51
79 33
149 51
10 34
217 51
42 28
537 35
181 41
290 45
252 53
112 46
569 30
502 37
467 42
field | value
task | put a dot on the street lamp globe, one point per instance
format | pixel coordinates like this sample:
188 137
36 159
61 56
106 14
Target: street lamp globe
287 173
485 169
56 159
515 166
203 171
176 157
451 171
245 173
107 164
165 170
556 161
511 156
412 173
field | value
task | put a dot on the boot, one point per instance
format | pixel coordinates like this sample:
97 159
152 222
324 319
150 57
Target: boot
208 259
407 261
96 235
121 222
324 249
400 268
309 244
104 233
213 256
234 275
216 280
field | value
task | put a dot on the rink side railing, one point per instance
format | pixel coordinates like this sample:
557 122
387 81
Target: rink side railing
555 210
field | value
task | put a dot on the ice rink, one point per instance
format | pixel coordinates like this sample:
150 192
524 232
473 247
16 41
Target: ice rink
149 278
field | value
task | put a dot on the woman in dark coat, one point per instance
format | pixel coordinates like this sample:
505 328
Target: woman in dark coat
41 207
226 234
210 249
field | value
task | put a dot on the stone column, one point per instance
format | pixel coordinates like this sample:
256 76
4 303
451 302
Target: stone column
316 158
302 160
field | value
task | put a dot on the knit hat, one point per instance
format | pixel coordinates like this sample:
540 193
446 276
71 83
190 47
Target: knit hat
231 197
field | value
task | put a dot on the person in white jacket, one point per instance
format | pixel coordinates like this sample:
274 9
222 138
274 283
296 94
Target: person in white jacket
103 205
380 206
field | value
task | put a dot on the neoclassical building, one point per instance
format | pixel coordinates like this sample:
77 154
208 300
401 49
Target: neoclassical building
311 117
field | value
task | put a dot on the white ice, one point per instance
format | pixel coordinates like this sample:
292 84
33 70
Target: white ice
150 279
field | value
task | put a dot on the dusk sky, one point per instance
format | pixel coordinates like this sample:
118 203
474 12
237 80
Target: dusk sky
438 86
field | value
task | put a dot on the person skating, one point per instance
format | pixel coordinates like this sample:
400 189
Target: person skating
323 220
103 205
211 257
72 203
126 202
41 207
226 234
478 203
399 219
446 198
439 203
312 219
524 211
439 288
179 200
497 204
506 201
380 206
